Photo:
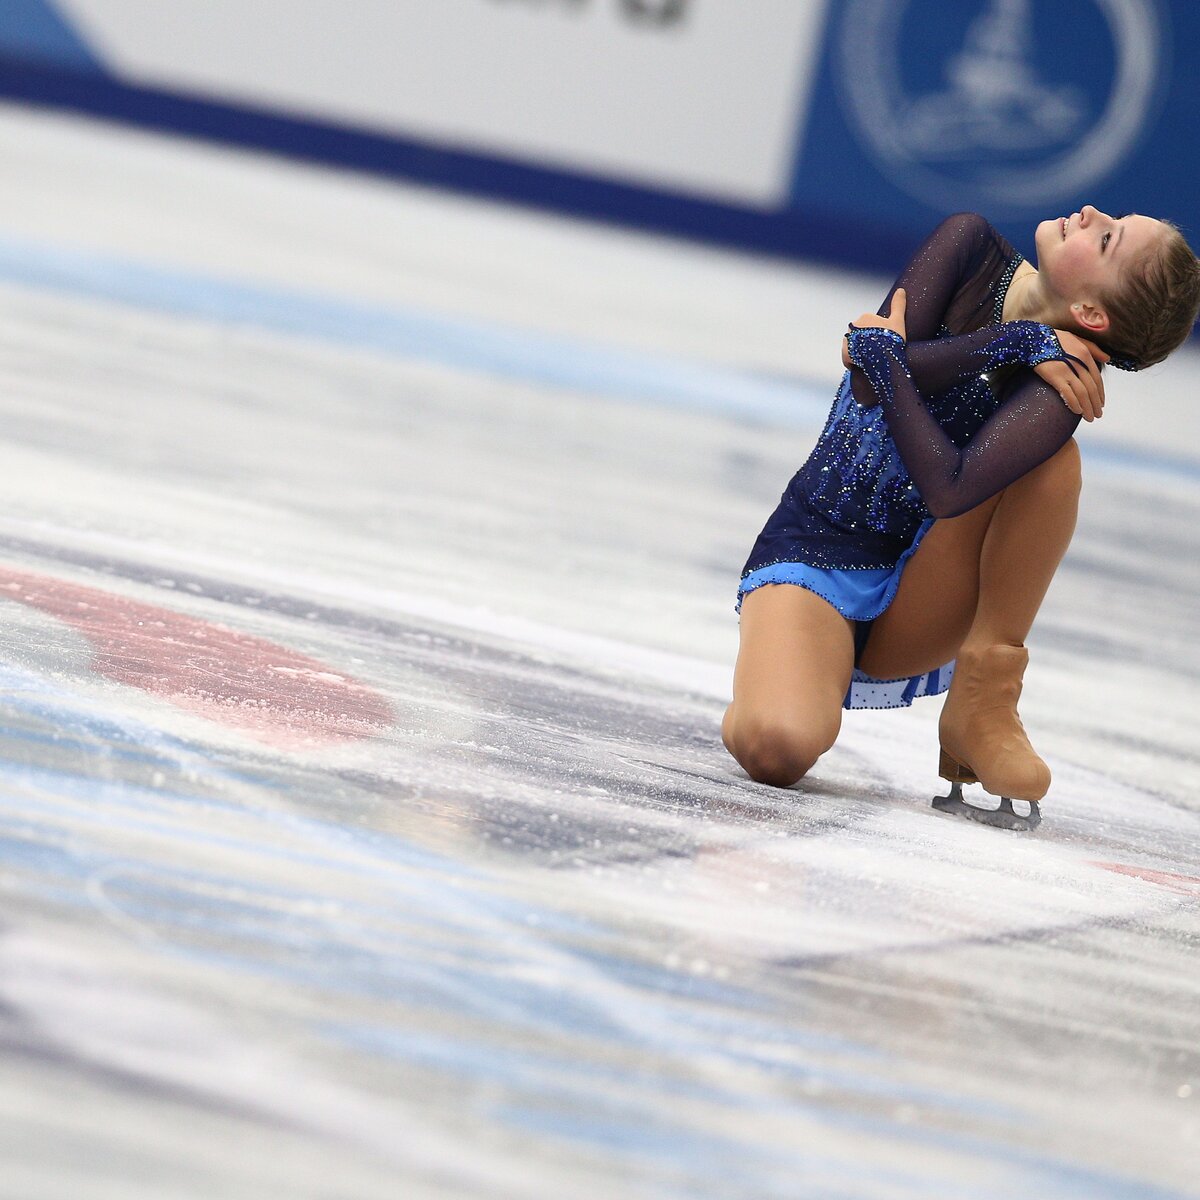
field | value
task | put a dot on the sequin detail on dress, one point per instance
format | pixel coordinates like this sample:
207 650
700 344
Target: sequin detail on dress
1002 285
1029 424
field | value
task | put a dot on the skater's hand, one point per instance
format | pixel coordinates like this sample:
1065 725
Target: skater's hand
893 321
1078 381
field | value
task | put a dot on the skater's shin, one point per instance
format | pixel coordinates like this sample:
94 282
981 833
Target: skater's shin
1025 542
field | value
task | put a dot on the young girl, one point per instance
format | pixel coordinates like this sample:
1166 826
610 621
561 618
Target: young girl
911 552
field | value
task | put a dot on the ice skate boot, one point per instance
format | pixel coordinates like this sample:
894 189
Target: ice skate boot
983 740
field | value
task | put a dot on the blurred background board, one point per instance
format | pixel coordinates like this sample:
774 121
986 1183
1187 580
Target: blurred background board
840 132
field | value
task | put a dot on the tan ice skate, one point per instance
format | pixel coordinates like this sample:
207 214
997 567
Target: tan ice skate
983 740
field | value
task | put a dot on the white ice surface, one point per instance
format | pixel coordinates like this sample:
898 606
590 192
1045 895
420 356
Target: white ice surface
536 935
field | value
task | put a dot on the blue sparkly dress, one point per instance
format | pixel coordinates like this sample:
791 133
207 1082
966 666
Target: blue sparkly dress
917 431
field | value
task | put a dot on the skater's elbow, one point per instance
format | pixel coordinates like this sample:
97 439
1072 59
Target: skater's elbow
942 507
951 498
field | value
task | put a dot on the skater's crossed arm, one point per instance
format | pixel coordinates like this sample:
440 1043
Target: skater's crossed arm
947 262
1031 423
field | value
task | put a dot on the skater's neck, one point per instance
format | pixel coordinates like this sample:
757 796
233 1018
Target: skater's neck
1030 299
1025 299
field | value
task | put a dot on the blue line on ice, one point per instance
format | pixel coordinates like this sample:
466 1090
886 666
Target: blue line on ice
491 349
495 350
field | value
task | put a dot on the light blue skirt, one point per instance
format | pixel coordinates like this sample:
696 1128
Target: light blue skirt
860 595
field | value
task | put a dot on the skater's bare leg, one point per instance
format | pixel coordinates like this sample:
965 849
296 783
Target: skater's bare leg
1025 544
979 579
793 668
935 604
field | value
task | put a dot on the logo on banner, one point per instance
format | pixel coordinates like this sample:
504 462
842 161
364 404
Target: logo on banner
998 107
656 13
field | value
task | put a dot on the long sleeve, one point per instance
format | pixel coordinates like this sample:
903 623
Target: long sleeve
942 275
941 268
938 365
1030 425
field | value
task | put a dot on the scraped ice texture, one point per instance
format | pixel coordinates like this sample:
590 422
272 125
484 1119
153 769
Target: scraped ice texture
535 934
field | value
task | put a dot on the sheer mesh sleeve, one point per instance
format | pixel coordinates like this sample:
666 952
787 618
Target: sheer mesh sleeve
939 365
945 271
942 267
1030 425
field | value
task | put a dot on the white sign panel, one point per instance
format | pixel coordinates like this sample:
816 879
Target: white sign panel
699 96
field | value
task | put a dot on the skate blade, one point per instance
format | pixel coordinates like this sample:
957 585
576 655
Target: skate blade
1003 817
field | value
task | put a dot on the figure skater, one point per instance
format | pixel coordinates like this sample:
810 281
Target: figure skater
912 551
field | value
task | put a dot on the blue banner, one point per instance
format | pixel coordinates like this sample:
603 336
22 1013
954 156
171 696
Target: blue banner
1020 110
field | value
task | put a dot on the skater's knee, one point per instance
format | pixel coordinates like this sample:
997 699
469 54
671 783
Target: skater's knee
727 730
1061 475
778 753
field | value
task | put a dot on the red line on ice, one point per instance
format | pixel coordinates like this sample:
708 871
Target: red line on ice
1187 885
278 695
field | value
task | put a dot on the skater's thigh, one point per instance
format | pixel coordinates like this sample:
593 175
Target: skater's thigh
926 623
795 658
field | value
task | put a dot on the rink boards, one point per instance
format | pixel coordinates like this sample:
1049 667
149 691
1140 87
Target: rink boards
836 132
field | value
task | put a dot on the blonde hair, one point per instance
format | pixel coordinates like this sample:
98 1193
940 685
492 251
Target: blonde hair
1155 308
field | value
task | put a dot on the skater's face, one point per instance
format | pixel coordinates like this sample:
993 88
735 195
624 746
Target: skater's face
1083 258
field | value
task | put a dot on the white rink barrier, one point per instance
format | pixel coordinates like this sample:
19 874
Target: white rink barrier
675 94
